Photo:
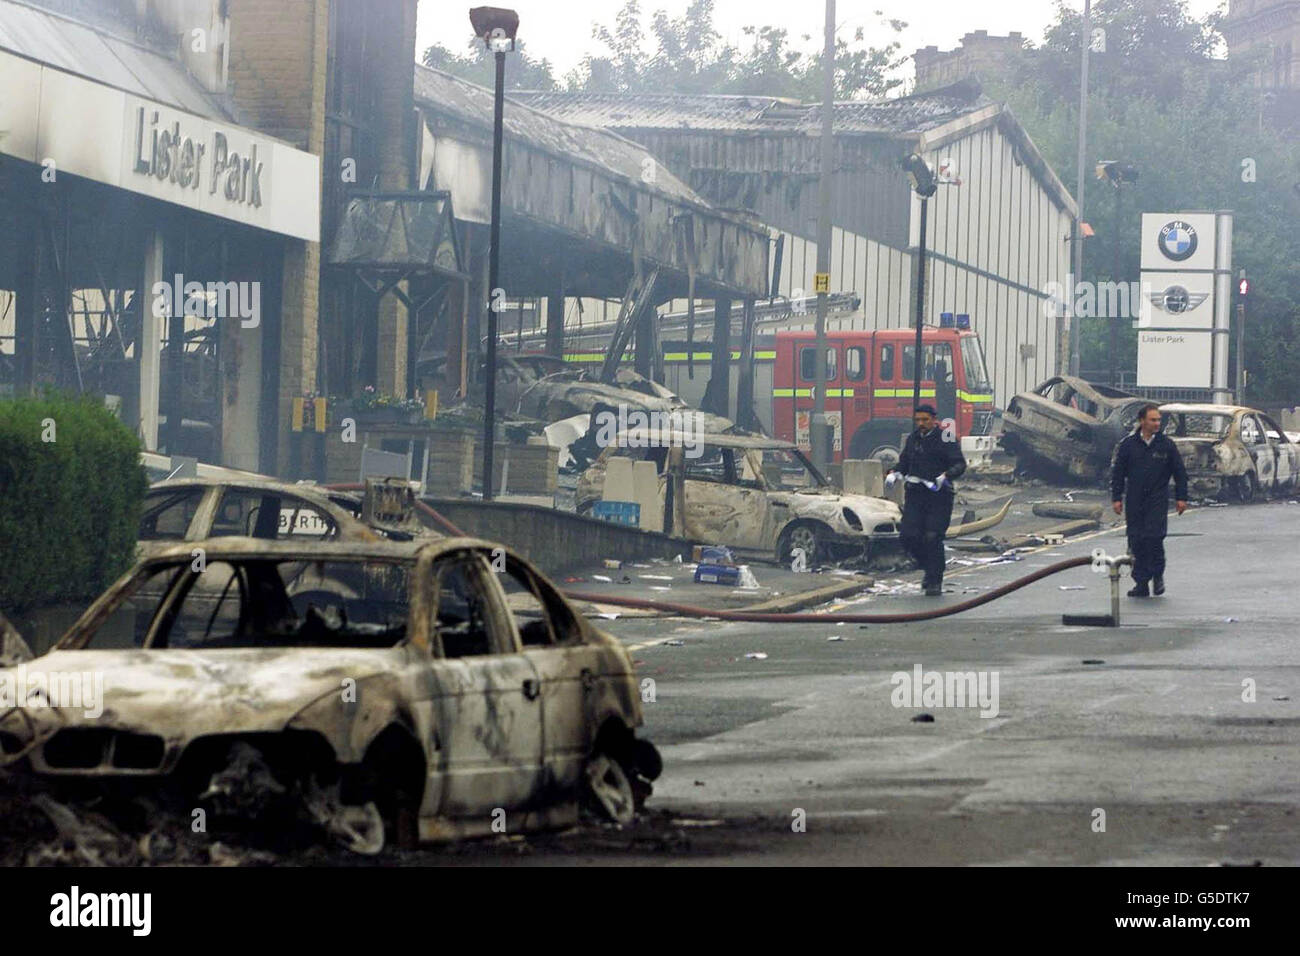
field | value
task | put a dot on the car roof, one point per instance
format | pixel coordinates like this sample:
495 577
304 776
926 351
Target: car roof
1198 408
281 487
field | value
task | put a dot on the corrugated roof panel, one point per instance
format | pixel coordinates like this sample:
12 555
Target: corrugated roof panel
75 47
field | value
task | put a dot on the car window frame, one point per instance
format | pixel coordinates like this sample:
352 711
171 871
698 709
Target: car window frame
496 605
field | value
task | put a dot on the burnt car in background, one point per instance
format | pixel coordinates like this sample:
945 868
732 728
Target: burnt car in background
1232 452
1068 426
395 691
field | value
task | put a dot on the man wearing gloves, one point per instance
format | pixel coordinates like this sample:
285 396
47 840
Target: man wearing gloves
928 465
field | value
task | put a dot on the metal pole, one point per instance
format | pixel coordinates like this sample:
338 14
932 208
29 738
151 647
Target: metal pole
494 256
821 447
918 366
1241 351
1112 337
1085 40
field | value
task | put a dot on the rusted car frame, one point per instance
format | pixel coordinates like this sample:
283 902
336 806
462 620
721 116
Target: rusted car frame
460 702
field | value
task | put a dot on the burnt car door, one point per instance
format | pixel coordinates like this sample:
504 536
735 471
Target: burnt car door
570 669
1286 455
1256 442
487 705
727 501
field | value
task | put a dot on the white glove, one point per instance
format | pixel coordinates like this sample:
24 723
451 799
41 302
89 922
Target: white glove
939 482
891 479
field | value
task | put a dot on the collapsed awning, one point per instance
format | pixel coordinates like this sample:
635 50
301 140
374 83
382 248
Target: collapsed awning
388 237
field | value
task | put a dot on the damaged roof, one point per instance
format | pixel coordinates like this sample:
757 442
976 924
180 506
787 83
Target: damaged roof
472 104
98 53
767 114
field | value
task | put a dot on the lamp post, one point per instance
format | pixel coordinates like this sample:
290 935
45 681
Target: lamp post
924 183
1116 173
497 28
1085 38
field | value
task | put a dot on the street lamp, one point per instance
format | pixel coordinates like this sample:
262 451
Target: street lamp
925 185
497 27
1116 173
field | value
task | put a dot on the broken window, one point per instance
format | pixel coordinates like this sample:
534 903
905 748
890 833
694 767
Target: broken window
259 514
259 602
710 466
462 619
167 514
542 618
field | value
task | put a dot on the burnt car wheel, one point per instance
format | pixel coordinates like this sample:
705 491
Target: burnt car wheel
608 789
1245 488
803 535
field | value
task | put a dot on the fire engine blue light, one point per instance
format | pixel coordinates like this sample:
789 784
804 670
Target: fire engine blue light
945 320
963 320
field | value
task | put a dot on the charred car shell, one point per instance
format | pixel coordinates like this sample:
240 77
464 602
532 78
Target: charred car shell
446 711
1068 425
1231 451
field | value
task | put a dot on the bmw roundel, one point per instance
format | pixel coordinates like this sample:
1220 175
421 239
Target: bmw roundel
1177 240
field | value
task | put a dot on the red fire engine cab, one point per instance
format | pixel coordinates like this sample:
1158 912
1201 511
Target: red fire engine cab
869 386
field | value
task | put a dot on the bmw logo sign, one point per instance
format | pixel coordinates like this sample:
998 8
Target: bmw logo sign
1178 240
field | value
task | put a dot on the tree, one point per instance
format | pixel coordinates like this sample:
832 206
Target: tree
477 66
686 55
1198 128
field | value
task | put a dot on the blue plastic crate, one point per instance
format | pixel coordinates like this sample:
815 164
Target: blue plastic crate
619 512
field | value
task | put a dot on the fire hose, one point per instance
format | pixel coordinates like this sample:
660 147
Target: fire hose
1098 560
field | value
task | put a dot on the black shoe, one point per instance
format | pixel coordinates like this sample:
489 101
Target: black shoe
1140 591
934 590
1158 586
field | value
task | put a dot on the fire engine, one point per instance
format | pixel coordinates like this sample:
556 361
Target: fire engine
870 389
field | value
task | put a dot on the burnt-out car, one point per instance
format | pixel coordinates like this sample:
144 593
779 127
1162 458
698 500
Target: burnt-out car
1232 452
396 690
195 509
1068 426
749 493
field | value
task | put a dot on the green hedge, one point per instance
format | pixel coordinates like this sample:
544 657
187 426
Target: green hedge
69 508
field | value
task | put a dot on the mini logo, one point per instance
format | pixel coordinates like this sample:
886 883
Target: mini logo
1176 300
1178 240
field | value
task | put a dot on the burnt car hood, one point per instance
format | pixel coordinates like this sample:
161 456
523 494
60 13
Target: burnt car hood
824 501
182 694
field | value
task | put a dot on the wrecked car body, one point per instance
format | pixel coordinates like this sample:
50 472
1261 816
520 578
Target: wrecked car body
1068 425
748 493
195 509
1232 452
424 688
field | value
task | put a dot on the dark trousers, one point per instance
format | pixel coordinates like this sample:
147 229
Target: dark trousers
926 516
1148 552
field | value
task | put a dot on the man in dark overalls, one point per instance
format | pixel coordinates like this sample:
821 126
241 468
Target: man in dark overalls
1146 460
929 463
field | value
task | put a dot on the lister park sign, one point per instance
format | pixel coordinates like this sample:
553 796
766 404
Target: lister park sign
170 154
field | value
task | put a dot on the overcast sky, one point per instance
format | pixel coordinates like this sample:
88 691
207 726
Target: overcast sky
560 30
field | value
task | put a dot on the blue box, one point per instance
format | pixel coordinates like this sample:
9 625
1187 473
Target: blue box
717 574
619 512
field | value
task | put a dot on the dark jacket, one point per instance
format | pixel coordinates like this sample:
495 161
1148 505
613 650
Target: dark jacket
929 456
1146 469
